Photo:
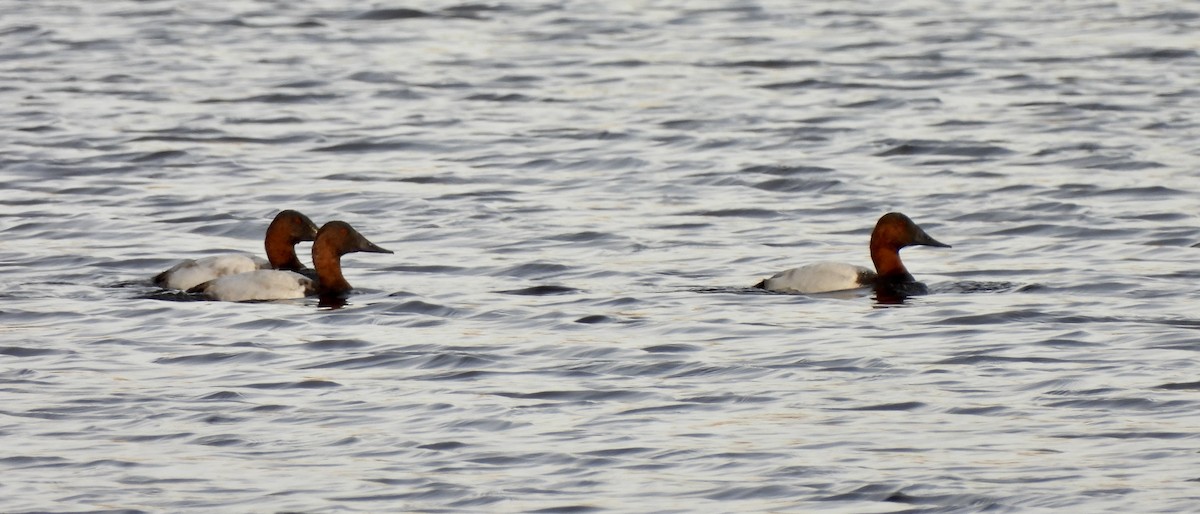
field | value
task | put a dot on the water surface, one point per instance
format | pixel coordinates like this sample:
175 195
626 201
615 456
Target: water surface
579 195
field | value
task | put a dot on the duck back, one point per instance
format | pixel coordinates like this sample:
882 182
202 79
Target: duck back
193 272
819 277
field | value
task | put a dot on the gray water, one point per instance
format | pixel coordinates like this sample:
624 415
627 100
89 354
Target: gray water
579 195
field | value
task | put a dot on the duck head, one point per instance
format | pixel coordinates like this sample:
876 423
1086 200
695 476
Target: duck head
288 228
895 230
892 232
335 239
338 237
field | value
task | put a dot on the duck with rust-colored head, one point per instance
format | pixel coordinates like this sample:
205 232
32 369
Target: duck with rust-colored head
893 232
335 239
288 228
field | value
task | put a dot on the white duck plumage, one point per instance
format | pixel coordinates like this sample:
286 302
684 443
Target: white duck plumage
192 272
263 284
820 277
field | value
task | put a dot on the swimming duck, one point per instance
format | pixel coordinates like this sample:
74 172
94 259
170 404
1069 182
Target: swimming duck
893 232
334 240
288 228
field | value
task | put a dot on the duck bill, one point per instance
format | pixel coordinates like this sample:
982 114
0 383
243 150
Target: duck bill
924 239
367 246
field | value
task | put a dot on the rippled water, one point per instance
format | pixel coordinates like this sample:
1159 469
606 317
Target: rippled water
579 194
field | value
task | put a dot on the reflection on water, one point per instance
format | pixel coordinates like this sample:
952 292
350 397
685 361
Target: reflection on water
332 302
579 196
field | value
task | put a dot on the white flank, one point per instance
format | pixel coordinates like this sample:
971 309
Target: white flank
191 273
820 277
259 285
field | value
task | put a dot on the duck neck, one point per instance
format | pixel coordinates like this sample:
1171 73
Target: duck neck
328 263
887 263
281 251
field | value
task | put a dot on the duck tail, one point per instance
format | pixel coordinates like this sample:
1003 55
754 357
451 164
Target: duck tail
201 288
762 284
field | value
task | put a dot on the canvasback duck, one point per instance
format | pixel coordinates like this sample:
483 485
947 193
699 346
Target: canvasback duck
288 228
893 232
334 240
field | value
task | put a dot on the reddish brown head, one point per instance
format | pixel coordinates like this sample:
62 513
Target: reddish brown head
893 232
288 228
334 240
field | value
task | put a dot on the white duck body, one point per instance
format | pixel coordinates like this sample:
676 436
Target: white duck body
820 277
193 272
263 284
